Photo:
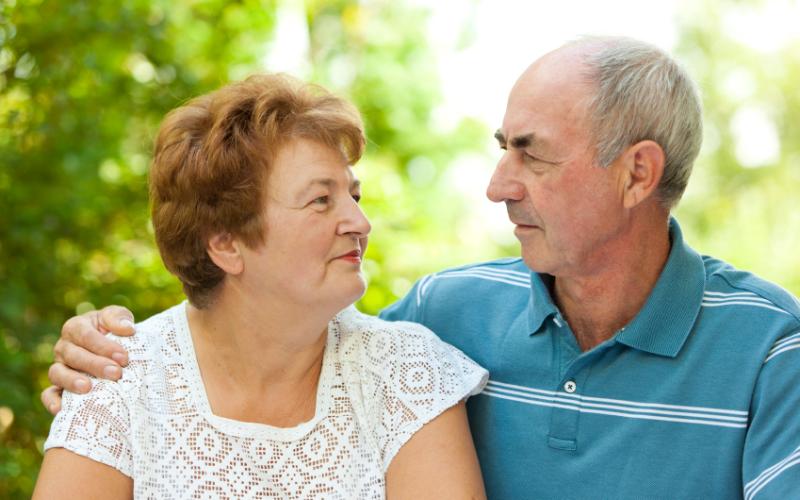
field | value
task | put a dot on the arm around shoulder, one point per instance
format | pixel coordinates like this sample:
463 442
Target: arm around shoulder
437 462
89 452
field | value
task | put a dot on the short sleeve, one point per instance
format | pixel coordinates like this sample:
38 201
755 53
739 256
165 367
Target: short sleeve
95 425
771 461
413 377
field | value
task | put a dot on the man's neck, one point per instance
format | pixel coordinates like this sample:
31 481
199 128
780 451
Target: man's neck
599 304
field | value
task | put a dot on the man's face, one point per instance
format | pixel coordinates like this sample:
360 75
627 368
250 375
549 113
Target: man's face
568 211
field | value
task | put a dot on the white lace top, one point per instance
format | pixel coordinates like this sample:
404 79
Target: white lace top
380 382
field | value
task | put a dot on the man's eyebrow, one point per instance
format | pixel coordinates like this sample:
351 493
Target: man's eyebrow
519 142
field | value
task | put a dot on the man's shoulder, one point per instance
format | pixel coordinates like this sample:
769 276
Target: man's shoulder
490 278
508 264
731 289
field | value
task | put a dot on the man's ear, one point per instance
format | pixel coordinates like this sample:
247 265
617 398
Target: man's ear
225 251
644 167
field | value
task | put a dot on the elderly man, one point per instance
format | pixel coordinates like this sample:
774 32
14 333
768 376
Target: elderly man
623 364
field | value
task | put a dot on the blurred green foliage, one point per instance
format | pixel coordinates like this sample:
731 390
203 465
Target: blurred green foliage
741 208
83 86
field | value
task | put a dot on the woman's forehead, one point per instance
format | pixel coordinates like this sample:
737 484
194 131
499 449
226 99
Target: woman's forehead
302 165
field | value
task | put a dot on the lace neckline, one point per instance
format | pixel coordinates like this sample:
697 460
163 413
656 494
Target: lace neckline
251 429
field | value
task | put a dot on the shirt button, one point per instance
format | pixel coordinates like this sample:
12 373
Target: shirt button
570 386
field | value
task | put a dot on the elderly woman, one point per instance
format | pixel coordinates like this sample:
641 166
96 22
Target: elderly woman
267 382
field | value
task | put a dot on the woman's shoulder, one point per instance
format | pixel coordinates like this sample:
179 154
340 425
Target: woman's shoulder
155 345
359 328
153 335
374 344
101 423
381 346
404 374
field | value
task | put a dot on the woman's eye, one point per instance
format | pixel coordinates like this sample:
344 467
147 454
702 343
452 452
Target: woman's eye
322 200
357 197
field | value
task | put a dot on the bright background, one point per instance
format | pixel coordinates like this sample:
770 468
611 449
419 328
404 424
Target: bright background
83 86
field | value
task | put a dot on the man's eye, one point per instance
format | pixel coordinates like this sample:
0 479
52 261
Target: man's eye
322 200
357 197
533 159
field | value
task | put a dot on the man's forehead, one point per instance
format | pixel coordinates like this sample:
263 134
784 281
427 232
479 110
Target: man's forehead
536 116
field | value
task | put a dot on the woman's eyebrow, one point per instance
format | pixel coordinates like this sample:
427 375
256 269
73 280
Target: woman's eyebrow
326 182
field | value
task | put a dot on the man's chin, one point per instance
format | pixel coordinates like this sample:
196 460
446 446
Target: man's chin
537 261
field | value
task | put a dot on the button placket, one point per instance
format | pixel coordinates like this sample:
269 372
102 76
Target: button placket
565 415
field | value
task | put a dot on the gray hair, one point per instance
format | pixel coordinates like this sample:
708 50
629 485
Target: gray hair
642 93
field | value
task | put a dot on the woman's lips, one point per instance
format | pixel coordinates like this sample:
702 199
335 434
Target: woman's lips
354 257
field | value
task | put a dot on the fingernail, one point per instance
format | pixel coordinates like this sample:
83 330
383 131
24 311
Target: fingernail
111 372
119 358
81 385
126 323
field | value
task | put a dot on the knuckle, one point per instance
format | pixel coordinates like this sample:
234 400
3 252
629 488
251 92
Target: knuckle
52 374
113 313
69 326
58 349
68 354
113 309
79 336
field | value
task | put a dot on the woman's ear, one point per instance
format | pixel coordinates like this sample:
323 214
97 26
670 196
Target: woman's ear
225 251
645 166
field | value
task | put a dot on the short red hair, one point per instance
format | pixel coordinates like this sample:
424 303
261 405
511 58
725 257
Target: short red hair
211 159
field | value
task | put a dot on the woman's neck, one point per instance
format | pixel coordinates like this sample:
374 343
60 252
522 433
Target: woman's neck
260 362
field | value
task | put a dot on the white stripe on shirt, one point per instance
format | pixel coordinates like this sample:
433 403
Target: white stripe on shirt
789 343
770 473
487 273
621 408
734 302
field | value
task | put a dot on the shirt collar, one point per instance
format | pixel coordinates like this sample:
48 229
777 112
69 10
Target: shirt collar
541 304
662 326
668 315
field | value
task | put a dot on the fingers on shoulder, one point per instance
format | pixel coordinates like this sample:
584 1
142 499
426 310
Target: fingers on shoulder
82 332
51 399
116 319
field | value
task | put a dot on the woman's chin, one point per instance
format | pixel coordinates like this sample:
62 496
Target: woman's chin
354 293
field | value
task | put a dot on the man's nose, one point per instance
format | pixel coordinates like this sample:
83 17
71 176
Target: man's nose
504 184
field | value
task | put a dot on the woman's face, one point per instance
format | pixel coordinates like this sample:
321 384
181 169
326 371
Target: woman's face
316 233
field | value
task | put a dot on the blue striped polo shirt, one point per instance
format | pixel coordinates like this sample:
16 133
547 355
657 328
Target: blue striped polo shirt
697 397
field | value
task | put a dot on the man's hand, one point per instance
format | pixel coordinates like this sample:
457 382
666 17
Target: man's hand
84 347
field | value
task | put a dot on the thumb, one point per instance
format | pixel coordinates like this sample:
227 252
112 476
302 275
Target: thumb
117 320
